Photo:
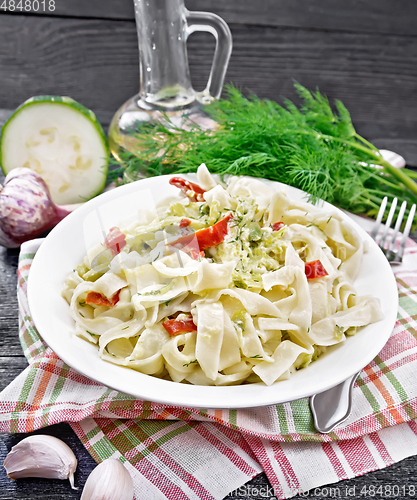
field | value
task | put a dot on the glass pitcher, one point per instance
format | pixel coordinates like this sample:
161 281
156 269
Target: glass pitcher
163 27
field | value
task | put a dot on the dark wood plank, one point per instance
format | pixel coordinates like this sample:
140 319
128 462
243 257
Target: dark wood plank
383 16
9 340
351 15
96 62
361 52
53 55
11 367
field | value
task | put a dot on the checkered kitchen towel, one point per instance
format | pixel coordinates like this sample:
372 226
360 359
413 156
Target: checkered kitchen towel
182 453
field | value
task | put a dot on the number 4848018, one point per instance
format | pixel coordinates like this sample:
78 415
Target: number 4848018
28 5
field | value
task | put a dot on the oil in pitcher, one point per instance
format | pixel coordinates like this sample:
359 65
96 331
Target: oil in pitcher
166 93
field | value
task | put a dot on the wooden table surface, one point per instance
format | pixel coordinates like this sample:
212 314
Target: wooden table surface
363 52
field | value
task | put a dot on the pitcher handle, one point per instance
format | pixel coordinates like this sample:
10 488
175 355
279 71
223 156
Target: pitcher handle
206 21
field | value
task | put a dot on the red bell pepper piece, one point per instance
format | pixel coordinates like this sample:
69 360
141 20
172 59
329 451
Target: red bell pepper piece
185 222
193 191
204 238
314 269
276 226
178 326
213 235
100 300
115 240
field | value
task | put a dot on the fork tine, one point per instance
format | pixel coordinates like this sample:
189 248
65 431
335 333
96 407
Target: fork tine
406 232
397 226
388 223
377 223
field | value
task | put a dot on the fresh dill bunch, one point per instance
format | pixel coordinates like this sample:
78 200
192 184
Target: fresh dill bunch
312 147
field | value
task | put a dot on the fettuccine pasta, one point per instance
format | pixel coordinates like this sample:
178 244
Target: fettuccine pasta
228 284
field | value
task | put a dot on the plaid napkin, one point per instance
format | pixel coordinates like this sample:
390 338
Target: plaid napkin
183 453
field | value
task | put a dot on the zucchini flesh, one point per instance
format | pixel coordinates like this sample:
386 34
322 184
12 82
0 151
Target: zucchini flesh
63 142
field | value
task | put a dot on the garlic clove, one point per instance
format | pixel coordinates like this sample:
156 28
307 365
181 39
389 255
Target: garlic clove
110 480
41 456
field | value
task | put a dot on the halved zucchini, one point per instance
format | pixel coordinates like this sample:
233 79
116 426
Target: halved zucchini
62 141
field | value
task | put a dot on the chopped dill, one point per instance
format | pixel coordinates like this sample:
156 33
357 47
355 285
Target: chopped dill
311 224
190 363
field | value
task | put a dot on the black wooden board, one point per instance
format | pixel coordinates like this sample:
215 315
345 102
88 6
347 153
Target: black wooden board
374 74
363 52
383 16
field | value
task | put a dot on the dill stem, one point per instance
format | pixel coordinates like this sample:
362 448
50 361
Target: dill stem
402 176
411 173
367 143
367 201
377 199
385 181
395 172
378 192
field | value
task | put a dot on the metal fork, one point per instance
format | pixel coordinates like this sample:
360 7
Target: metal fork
332 407
393 256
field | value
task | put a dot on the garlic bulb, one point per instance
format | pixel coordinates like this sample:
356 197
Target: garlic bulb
110 480
26 208
41 456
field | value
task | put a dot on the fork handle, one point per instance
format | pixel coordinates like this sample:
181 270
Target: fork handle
332 407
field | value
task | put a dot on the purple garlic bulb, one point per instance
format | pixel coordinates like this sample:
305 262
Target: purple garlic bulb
26 208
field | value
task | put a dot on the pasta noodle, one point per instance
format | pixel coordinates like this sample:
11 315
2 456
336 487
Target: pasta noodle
228 284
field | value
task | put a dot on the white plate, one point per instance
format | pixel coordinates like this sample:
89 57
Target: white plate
65 247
